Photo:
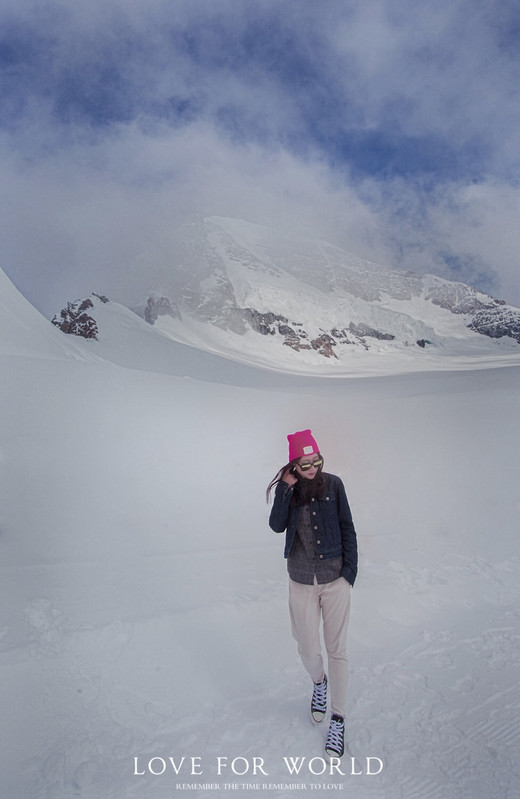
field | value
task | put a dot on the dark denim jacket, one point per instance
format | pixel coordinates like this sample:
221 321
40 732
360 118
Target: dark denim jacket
334 531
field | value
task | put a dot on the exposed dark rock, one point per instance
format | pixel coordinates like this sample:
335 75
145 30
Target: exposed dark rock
497 322
491 317
75 320
263 323
422 342
324 344
285 330
363 330
342 336
296 342
160 306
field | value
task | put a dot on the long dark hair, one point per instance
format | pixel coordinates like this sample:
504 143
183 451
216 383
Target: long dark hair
304 489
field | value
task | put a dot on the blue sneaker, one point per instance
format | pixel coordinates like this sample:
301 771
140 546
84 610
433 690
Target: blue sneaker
335 744
319 701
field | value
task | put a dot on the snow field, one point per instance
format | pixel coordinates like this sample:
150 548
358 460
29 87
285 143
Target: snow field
144 608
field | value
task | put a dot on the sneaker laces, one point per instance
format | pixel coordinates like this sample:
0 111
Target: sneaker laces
319 696
336 735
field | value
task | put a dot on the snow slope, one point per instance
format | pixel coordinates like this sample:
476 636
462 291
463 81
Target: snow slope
25 332
143 597
191 347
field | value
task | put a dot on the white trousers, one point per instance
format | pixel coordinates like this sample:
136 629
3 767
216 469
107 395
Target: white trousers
308 605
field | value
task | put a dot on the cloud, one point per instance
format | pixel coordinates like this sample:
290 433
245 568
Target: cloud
389 128
106 218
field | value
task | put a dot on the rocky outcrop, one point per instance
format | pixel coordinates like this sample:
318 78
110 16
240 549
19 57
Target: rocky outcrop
296 337
267 324
324 344
160 306
297 341
361 330
491 317
497 322
75 319
270 324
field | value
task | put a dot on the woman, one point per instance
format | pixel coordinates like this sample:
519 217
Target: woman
321 550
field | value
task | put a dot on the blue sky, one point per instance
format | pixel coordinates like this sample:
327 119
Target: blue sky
390 128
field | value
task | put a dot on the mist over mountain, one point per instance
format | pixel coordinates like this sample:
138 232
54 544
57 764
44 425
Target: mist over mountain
269 298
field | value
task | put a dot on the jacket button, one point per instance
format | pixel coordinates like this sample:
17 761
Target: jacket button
315 526
314 513
327 499
312 500
321 556
318 541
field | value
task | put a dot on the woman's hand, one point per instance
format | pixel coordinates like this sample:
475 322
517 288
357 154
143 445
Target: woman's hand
289 478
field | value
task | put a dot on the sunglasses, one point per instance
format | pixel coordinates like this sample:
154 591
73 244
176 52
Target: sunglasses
306 466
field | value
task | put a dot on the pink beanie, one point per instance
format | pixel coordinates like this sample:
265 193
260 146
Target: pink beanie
301 443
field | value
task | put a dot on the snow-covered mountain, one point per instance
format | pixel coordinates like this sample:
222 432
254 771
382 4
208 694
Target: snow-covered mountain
262 296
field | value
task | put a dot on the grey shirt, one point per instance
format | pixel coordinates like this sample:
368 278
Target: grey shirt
304 562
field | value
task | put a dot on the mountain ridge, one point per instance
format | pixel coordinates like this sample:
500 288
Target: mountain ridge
257 292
